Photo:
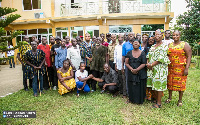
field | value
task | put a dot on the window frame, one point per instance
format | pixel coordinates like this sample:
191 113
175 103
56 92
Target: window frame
32 6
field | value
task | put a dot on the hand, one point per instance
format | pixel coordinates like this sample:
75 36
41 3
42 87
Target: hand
55 53
149 66
116 68
186 72
57 69
80 88
39 67
90 76
104 86
90 59
122 70
61 79
134 71
45 64
35 67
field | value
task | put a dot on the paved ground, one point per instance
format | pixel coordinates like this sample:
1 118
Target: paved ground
10 79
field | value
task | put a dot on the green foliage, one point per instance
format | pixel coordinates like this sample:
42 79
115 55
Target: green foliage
95 108
3 23
152 27
189 24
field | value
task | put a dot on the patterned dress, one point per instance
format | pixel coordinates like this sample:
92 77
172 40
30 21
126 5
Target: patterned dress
176 78
157 78
70 83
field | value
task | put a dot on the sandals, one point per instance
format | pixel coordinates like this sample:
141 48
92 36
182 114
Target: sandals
179 104
156 106
168 101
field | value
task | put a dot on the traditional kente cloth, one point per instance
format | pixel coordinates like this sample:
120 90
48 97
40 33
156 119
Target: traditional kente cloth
176 78
70 83
36 60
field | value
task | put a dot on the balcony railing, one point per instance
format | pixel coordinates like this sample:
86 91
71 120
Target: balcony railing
114 6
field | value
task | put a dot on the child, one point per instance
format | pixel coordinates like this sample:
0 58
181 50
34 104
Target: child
81 76
66 81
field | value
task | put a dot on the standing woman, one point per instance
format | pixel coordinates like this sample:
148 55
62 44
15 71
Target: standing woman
158 62
137 75
180 56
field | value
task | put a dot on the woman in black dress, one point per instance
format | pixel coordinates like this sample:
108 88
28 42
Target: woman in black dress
137 74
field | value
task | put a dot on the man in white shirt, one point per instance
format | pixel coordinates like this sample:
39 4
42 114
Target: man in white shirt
81 76
11 55
118 65
167 39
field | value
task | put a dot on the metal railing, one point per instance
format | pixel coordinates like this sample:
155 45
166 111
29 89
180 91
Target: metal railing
111 6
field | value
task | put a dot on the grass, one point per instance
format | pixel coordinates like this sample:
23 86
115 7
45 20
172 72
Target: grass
96 108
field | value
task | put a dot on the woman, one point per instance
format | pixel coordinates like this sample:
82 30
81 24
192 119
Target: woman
135 62
149 93
144 41
66 81
158 64
98 60
180 56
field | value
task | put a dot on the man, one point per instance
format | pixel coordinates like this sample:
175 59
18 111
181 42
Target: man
67 38
81 38
78 39
126 37
33 38
111 49
167 39
108 81
21 57
103 42
94 40
53 53
46 49
118 65
61 55
108 37
86 53
138 36
11 55
35 65
52 42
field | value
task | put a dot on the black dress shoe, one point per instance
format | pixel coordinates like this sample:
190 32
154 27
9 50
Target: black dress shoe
26 89
35 95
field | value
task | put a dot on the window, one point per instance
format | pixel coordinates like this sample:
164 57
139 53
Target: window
152 1
31 4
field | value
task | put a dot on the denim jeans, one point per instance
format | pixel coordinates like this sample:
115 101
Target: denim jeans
35 85
12 63
79 85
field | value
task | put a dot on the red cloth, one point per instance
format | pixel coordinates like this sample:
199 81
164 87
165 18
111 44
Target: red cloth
46 50
105 44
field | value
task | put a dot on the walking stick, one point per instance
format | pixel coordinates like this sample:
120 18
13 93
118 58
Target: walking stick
39 81
48 78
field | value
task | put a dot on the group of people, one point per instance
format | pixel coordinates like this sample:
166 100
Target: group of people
138 68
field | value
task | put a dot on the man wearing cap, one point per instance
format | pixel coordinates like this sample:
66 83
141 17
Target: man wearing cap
53 53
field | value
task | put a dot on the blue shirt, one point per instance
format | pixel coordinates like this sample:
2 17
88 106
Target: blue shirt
60 57
127 46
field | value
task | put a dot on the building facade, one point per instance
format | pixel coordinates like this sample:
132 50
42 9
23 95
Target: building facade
76 17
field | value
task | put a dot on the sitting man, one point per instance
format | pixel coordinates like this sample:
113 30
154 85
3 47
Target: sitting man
109 80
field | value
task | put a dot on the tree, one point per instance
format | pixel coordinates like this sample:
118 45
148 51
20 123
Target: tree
189 23
4 22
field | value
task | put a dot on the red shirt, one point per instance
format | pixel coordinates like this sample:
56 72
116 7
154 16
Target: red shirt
105 44
46 50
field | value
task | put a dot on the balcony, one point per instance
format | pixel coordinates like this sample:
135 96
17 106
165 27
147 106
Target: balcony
97 7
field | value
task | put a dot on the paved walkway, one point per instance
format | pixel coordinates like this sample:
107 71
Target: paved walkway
10 79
